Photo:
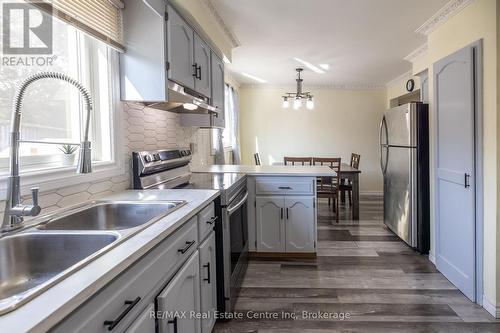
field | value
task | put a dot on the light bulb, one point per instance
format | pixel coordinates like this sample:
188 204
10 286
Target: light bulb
286 103
297 103
310 103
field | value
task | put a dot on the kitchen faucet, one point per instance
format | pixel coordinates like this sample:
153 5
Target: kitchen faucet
14 210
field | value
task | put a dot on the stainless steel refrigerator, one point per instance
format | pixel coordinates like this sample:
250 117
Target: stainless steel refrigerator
404 159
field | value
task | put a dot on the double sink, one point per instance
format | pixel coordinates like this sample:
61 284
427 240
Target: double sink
51 248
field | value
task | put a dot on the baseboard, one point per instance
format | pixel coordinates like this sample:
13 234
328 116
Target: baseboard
281 255
372 193
492 309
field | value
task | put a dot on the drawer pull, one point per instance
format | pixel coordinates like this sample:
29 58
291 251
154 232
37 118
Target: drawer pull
207 266
173 321
212 220
186 248
112 323
285 188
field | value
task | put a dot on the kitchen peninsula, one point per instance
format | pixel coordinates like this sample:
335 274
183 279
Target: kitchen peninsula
281 207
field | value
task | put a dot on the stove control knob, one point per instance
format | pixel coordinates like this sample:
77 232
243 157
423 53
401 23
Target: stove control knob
148 158
183 153
156 157
188 152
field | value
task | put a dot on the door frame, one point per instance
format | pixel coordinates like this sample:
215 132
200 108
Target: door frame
477 48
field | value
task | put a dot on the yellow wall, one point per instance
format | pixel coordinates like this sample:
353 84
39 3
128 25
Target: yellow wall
477 21
342 122
397 87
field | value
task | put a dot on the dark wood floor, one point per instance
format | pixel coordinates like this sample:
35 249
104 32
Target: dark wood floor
364 280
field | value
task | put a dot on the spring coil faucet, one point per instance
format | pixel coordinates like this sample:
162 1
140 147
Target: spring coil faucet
14 210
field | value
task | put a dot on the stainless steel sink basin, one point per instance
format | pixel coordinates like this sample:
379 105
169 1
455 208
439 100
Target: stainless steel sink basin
32 261
53 247
112 216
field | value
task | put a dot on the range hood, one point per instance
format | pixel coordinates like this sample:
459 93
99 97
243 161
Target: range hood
183 100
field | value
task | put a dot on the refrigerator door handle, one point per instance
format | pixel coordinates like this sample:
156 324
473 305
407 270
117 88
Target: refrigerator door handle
383 145
383 128
383 164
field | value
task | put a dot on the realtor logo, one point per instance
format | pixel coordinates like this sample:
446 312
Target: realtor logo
26 29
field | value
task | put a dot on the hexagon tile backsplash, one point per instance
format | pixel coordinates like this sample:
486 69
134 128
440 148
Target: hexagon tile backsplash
143 129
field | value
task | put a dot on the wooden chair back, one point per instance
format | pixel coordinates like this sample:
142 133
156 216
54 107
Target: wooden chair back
332 162
299 160
355 160
256 157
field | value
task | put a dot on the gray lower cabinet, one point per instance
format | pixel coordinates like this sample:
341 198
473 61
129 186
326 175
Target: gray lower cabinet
145 322
285 223
116 306
208 283
179 302
270 224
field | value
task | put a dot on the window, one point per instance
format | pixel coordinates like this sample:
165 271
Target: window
229 118
52 110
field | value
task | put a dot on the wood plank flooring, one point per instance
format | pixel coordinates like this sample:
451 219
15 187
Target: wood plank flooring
364 280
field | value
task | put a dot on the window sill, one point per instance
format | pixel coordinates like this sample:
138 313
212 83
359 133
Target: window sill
48 180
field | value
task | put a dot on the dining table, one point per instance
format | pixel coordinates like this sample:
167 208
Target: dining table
351 174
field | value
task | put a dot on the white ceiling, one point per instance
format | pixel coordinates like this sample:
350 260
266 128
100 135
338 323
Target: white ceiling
364 41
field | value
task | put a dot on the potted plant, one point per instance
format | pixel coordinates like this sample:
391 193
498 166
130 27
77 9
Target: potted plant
69 156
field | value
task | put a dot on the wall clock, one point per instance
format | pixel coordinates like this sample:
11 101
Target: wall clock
410 85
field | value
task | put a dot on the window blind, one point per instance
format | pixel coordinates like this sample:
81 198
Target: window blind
101 19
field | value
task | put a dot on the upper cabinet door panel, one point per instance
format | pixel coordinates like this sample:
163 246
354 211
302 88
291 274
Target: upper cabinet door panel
218 89
180 50
202 83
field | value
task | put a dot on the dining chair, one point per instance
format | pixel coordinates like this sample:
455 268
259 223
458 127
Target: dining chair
346 184
328 187
301 160
256 157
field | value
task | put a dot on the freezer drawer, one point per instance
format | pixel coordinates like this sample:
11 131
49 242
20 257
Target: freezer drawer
399 193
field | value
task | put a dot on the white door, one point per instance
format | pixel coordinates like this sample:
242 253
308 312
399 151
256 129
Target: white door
270 224
145 322
300 222
455 188
181 296
208 283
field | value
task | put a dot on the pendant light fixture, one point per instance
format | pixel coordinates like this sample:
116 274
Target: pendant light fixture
297 97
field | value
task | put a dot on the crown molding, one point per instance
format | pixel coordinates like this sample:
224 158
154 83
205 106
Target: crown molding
403 76
222 24
449 10
417 53
309 87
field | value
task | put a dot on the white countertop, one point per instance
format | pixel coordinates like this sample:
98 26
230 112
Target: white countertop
50 307
270 170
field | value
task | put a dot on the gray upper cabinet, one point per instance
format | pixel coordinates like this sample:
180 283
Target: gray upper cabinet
181 50
218 89
143 66
202 83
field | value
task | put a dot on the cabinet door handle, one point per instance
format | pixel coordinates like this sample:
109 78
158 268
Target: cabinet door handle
195 70
281 213
198 72
212 220
112 323
285 188
207 266
173 321
287 213
186 248
467 180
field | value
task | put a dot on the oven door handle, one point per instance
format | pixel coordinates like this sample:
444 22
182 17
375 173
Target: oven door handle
231 210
